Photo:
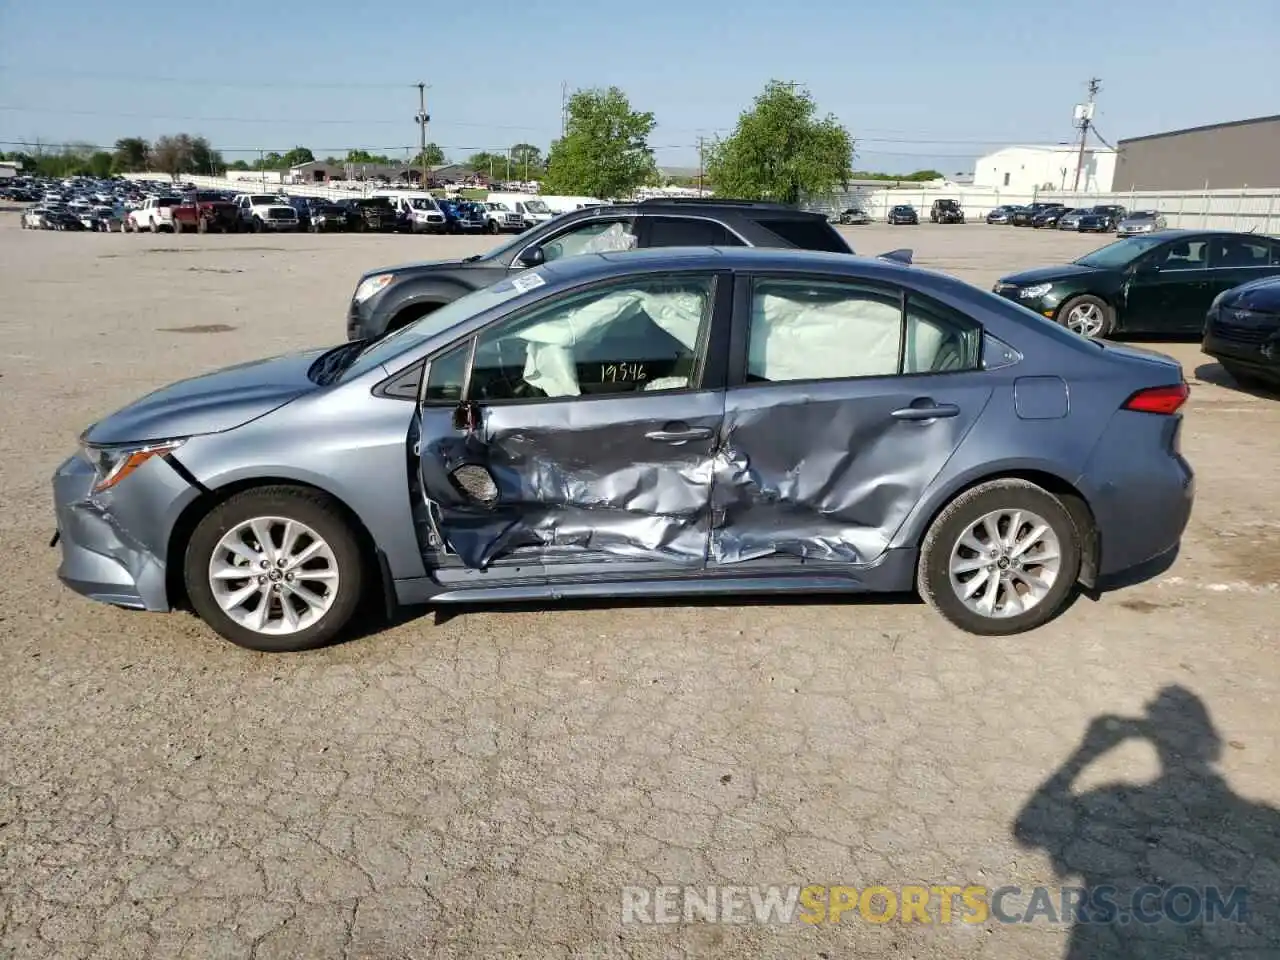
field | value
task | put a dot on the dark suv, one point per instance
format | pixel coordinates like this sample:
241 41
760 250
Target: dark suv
946 211
388 298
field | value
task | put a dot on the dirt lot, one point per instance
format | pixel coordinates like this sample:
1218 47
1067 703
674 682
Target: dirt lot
485 786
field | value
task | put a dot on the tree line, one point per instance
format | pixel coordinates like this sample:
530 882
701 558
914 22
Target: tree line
781 149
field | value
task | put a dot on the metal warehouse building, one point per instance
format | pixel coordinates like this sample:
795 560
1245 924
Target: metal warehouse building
1221 156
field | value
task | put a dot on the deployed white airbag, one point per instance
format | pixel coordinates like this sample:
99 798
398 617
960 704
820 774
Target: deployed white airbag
549 362
795 338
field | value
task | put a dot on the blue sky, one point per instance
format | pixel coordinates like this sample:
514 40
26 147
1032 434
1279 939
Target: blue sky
331 75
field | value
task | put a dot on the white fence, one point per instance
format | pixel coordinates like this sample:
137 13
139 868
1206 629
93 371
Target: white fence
1246 210
334 190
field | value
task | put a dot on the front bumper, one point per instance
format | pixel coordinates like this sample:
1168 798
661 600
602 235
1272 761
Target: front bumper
114 543
1254 348
281 226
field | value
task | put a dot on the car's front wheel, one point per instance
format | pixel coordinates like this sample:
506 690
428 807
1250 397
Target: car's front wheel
1088 316
1001 558
276 569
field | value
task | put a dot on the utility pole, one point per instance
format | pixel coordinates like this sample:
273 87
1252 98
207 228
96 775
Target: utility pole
508 164
262 169
700 164
1084 114
422 119
564 108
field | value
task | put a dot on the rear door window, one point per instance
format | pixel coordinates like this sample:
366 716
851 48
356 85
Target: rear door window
807 234
689 232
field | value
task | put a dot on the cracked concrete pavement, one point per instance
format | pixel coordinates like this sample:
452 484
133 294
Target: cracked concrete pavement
485 785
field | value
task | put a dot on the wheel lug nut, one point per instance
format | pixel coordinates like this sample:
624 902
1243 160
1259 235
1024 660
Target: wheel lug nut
262 579
263 564
280 562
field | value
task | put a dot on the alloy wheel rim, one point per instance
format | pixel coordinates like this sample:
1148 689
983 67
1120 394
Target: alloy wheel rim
1005 563
273 575
1085 319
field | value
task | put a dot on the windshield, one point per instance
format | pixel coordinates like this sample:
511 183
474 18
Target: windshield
1143 215
1119 254
260 198
205 196
499 207
422 203
536 206
433 324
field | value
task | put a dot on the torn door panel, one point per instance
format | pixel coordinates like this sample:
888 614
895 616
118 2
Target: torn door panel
559 481
830 475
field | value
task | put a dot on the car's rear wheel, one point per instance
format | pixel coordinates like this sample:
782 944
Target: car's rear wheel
1088 316
275 569
1001 558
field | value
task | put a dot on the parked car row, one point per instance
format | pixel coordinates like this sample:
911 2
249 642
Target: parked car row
570 423
1104 218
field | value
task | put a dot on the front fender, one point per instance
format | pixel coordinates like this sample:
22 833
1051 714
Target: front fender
412 293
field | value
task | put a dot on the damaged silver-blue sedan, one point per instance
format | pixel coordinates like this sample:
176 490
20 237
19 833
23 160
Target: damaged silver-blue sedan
674 422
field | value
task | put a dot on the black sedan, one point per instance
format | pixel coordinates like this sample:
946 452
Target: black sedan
1026 216
1242 329
1102 219
902 214
1049 218
1161 283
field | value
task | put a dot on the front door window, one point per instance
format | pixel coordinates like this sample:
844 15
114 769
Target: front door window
594 236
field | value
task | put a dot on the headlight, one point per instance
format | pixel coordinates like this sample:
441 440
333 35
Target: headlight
114 463
1035 292
371 285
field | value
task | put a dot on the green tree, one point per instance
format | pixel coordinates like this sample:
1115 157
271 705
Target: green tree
101 164
526 157
605 148
132 154
780 150
434 155
298 156
364 156
239 165
204 159
494 164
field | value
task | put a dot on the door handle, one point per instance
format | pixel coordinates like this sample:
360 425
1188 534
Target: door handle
927 411
679 435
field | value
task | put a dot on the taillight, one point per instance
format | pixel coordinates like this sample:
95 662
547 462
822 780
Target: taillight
1163 400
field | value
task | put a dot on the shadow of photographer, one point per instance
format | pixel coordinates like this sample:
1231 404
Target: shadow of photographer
1178 867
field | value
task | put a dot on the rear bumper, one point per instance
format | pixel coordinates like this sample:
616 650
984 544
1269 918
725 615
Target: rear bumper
1142 508
113 544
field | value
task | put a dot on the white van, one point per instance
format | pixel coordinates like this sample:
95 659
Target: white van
533 208
569 204
417 210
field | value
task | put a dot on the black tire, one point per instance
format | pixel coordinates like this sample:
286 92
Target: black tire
256 225
492 227
1108 314
202 225
315 510
933 575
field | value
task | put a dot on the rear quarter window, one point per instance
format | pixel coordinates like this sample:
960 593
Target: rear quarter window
807 234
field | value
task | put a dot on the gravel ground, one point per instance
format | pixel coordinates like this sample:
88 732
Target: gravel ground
485 786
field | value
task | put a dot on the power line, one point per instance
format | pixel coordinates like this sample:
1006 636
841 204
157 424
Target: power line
201 82
276 120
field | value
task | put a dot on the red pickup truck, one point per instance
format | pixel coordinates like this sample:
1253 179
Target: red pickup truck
200 212
204 212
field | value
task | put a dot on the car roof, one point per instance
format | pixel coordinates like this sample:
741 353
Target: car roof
585 268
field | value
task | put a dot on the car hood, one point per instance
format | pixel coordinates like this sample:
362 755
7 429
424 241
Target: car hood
1262 295
402 270
210 403
1064 271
